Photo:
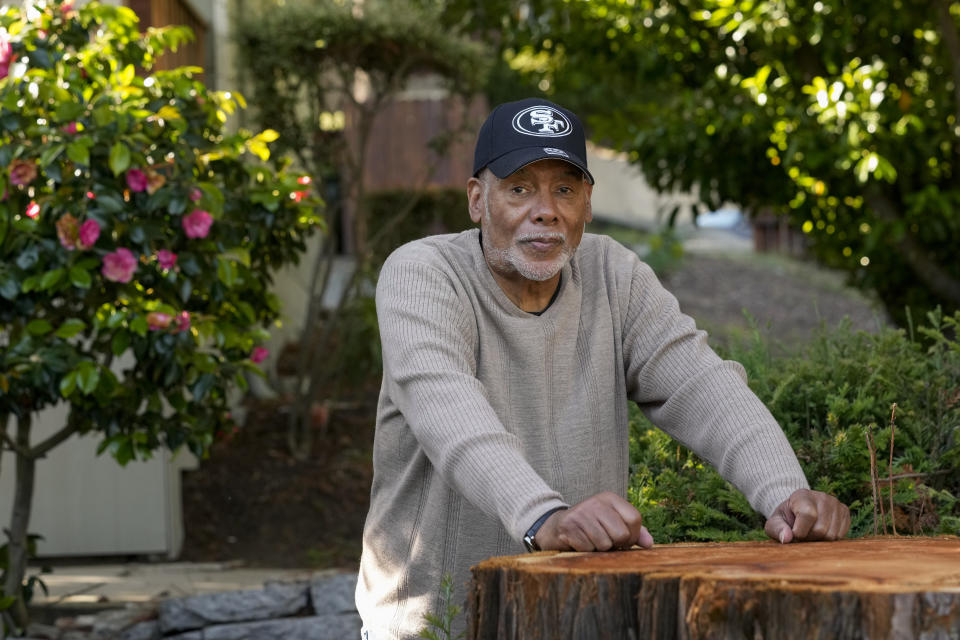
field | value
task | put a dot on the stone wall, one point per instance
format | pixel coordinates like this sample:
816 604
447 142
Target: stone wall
320 609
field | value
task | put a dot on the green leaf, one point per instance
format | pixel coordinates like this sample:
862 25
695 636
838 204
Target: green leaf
68 383
78 152
110 204
80 277
120 342
50 279
68 110
39 327
202 386
50 154
119 158
226 272
88 376
125 77
29 284
139 326
70 328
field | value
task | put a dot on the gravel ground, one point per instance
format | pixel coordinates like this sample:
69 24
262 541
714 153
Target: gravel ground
786 298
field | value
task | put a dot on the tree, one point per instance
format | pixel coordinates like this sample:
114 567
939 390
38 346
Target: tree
843 116
137 239
321 73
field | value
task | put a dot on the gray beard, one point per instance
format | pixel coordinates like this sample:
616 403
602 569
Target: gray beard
512 259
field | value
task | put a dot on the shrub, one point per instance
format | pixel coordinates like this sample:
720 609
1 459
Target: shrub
828 398
137 240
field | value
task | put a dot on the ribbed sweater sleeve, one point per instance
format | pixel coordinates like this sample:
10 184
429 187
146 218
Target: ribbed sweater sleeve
701 400
429 342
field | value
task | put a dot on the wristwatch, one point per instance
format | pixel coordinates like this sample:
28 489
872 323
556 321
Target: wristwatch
530 539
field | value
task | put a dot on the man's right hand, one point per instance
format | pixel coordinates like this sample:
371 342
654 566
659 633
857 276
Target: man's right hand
600 523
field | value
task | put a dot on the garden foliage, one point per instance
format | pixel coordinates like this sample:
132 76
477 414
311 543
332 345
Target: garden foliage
828 398
842 114
137 239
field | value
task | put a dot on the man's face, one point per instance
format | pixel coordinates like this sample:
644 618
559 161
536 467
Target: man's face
532 220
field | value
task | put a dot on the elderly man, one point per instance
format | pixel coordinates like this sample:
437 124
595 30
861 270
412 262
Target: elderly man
510 353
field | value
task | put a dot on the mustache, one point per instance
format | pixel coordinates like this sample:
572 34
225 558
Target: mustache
554 236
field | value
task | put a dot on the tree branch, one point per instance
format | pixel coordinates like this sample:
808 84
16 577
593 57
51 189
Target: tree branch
10 442
41 449
928 271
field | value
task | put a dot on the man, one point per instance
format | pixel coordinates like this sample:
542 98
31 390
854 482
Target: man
510 354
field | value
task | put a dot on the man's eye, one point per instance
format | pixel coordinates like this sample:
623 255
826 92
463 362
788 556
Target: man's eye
518 190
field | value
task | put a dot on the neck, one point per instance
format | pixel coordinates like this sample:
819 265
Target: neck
531 296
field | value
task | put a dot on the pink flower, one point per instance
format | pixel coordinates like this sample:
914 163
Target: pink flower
166 259
33 210
70 127
6 55
195 194
197 224
119 265
183 320
22 172
136 180
89 232
304 180
91 195
259 354
157 320
67 7
67 231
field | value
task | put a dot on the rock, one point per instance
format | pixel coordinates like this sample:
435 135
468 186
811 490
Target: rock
334 594
276 600
36 631
189 635
146 630
114 623
328 627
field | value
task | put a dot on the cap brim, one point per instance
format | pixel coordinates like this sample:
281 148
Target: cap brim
515 160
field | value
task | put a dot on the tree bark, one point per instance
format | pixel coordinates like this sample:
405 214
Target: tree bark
18 546
886 587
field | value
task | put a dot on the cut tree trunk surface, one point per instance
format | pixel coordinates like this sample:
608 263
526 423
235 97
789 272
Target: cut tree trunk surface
869 588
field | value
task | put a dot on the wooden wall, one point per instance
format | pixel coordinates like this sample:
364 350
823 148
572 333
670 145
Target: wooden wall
159 13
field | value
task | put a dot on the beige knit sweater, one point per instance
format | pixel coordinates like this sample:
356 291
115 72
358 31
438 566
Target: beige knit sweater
489 416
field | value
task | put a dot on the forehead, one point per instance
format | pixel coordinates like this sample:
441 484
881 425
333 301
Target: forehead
549 168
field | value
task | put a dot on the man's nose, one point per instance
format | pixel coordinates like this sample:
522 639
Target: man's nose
545 210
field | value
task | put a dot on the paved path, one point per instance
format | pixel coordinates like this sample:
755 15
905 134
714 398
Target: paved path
101 585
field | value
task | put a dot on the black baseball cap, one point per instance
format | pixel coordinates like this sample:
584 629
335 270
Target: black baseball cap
518 133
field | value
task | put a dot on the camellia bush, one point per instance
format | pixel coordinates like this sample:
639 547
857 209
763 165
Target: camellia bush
137 241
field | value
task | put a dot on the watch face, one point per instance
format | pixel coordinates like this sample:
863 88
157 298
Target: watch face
530 543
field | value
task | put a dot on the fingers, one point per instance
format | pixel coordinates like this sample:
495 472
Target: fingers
600 523
778 529
809 515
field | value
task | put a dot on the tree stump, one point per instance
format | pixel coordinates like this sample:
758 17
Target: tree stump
870 588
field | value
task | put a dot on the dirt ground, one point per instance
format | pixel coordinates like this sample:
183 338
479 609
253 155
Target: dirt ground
254 503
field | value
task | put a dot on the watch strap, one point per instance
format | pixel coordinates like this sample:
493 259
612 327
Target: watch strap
530 540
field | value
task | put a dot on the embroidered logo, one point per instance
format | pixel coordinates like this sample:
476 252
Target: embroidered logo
541 121
555 152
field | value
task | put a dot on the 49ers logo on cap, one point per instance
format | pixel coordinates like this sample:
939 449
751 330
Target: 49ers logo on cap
542 121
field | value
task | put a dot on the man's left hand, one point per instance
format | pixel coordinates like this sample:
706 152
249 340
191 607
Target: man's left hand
809 515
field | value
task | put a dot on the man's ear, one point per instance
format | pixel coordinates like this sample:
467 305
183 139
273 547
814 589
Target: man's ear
589 204
475 199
